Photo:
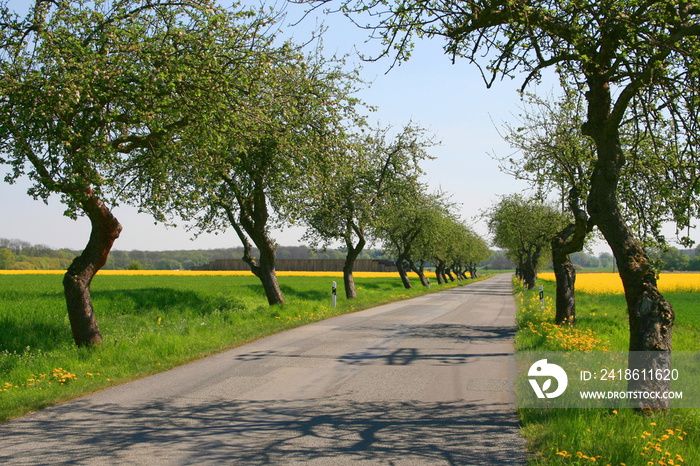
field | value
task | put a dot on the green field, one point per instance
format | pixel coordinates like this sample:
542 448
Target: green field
149 324
606 436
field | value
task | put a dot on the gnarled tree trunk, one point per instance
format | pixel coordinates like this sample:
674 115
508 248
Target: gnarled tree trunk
78 277
650 315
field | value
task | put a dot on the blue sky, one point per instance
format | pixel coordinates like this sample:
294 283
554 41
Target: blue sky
449 99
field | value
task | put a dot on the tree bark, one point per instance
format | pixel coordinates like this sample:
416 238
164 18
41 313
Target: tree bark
650 315
78 277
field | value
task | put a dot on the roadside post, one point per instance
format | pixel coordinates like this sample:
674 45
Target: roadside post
542 296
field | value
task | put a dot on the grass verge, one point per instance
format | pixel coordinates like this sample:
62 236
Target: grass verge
605 436
150 324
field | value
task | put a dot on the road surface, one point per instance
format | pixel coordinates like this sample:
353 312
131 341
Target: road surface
423 381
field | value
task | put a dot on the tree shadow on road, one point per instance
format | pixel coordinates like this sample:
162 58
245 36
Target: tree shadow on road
266 432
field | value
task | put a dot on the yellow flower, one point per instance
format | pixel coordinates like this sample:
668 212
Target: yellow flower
603 283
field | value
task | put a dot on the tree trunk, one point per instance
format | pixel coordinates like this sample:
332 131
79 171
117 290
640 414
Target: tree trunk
265 268
567 241
519 270
528 273
439 265
456 269
268 277
401 267
650 315
565 276
350 258
76 281
419 271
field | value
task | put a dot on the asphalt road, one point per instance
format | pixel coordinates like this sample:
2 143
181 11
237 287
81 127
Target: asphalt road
423 381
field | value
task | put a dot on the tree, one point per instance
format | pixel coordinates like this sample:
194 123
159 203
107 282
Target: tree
555 155
434 225
524 227
279 128
95 97
344 205
450 245
634 61
471 250
408 219
7 258
135 265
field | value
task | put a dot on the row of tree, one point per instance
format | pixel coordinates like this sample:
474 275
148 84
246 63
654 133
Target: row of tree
629 161
192 111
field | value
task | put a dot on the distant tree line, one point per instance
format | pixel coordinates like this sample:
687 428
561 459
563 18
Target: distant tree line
677 260
21 255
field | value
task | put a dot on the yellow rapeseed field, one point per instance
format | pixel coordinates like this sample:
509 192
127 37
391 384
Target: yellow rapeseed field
200 273
610 283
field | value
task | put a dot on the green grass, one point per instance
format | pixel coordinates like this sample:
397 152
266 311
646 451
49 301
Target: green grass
613 437
149 324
